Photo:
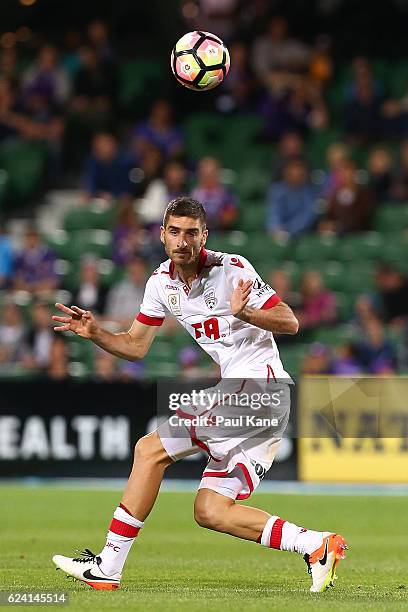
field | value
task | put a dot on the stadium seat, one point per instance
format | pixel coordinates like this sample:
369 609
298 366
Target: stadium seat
24 163
252 183
391 217
361 247
137 77
252 217
314 248
334 335
93 216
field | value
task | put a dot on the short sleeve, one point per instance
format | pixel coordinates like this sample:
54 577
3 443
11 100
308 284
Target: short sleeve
152 311
262 295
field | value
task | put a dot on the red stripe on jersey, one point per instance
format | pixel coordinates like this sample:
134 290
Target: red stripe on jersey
149 320
273 300
123 529
202 260
270 371
276 534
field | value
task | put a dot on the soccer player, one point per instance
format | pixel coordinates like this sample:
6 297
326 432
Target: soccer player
224 305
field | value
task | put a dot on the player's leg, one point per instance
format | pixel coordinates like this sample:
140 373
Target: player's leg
104 571
321 550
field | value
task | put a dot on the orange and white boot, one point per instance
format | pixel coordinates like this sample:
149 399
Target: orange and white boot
322 563
86 568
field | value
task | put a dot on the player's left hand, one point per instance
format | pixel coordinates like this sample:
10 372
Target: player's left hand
240 297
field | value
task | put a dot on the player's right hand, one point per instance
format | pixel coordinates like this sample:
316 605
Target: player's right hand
77 320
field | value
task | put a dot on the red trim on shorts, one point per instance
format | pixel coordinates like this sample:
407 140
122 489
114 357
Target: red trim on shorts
273 300
149 320
276 534
248 479
215 474
123 529
270 371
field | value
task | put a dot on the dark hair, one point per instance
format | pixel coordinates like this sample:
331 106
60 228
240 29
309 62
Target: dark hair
185 206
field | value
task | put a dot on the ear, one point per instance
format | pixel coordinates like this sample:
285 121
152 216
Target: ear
204 237
162 233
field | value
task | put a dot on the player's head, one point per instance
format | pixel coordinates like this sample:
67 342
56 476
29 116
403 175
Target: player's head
184 230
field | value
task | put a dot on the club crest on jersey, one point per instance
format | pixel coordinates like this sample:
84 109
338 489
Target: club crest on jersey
174 304
210 299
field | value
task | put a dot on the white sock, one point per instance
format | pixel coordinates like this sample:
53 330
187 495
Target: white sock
283 535
122 532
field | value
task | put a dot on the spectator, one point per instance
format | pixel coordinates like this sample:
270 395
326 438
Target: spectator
219 202
292 203
159 131
350 207
190 367
374 351
240 89
35 269
70 59
9 65
13 123
321 63
6 258
276 52
125 297
90 294
393 291
317 360
379 167
105 367
98 38
149 167
95 84
46 79
158 194
399 188
294 105
127 238
40 338
362 114
12 333
290 148
336 155
107 170
346 361
318 304
281 283
58 362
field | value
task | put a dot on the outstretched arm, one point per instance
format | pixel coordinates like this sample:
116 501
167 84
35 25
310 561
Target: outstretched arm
278 319
132 344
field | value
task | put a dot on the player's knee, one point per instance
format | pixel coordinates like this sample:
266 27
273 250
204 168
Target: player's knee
149 449
209 516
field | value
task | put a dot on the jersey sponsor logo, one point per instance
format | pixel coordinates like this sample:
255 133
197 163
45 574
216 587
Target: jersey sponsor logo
265 289
211 329
258 283
174 304
172 287
210 299
236 262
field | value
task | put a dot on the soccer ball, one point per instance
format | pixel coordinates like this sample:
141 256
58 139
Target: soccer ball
200 60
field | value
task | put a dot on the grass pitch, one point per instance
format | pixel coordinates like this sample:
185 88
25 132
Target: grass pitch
175 565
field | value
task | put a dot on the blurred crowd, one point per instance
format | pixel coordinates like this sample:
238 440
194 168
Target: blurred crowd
66 97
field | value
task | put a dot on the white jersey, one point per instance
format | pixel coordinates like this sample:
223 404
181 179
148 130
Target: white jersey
240 349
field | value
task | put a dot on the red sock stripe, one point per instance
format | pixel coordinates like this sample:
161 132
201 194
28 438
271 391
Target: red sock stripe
125 509
123 529
276 534
259 539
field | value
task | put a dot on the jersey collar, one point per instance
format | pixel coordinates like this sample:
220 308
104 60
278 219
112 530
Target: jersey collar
201 262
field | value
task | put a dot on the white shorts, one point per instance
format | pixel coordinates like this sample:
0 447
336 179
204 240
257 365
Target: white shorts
238 458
